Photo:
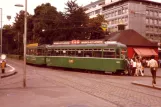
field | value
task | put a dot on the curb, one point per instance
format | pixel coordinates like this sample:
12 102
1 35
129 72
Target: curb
151 76
146 85
8 75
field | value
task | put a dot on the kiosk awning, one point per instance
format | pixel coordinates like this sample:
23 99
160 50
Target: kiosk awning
145 51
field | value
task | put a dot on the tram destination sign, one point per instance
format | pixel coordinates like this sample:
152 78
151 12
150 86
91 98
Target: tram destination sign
77 42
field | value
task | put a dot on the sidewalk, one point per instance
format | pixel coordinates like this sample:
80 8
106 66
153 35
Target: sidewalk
147 72
147 82
9 71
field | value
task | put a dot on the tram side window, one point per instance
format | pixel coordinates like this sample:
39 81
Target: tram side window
88 53
27 51
109 53
57 52
49 52
53 53
79 52
71 52
39 52
97 53
117 53
63 52
32 52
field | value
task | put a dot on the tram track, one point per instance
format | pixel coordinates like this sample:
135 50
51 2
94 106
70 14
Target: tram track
107 90
109 82
103 94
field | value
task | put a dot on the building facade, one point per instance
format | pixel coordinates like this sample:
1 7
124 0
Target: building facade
143 16
94 8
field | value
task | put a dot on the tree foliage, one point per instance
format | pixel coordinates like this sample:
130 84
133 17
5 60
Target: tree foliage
95 27
46 19
8 43
76 20
48 25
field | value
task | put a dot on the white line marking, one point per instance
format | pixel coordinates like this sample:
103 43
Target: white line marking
12 68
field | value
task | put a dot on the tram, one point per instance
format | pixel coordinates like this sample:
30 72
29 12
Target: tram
36 54
106 56
99 55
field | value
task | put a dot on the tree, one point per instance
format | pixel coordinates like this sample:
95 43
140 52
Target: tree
94 25
8 41
18 27
76 21
46 21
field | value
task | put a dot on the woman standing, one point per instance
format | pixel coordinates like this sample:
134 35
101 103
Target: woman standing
139 68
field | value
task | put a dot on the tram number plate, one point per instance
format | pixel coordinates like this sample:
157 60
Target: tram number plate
117 62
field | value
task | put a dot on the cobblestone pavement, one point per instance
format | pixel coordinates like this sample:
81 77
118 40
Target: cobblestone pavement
119 92
115 90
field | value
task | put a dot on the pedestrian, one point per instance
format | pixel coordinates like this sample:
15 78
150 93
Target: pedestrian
128 66
153 64
159 62
134 66
139 68
144 64
3 63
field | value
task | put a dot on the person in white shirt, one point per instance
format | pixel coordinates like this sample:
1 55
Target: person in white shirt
153 64
134 66
139 68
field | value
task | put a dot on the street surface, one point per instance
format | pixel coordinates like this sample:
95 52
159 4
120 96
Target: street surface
49 87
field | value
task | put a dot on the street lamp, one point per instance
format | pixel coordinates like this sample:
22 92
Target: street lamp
24 40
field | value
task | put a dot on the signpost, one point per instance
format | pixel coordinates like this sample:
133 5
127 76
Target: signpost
104 26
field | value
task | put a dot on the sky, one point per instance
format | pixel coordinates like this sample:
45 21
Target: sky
9 8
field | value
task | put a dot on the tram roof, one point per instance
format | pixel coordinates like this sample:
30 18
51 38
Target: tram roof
114 44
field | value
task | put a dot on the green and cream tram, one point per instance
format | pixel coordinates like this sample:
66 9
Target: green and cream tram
106 56
36 54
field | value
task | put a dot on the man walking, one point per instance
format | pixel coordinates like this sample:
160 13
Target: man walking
153 68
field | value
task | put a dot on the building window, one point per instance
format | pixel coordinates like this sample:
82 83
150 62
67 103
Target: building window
119 12
159 29
151 13
159 21
126 10
117 21
147 35
150 28
147 12
147 21
155 21
147 28
110 22
126 19
155 13
159 14
94 6
98 11
116 13
123 11
150 20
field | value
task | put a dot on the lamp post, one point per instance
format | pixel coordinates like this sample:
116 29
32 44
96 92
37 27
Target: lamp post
24 41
